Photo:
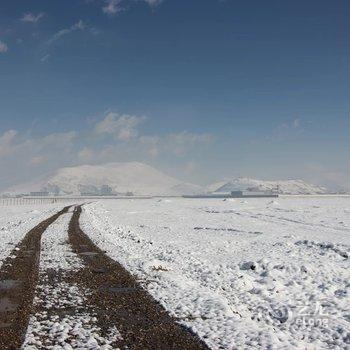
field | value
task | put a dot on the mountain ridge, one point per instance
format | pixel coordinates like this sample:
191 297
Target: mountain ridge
278 186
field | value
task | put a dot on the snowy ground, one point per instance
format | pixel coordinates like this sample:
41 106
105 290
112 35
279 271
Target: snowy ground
251 274
17 220
55 326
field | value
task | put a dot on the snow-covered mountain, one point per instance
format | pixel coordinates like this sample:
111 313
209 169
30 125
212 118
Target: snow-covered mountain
281 187
138 178
142 179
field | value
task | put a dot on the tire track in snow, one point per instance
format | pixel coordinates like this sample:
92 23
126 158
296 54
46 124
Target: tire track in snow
63 318
119 300
18 278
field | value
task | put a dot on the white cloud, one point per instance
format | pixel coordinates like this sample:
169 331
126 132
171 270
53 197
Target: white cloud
80 25
145 148
45 58
116 137
296 123
23 157
286 131
112 7
3 47
153 2
32 18
124 126
151 145
6 140
176 144
12 143
123 141
59 140
182 142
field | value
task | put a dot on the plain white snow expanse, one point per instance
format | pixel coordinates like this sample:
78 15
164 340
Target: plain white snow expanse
76 331
246 274
16 221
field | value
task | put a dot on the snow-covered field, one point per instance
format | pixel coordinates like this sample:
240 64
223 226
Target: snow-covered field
17 220
246 274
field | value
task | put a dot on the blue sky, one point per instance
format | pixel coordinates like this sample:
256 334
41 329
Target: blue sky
203 89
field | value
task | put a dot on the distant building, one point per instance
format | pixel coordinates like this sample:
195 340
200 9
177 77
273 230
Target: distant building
91 190
106 190
39 194
88 194
236 194
52 189
253 194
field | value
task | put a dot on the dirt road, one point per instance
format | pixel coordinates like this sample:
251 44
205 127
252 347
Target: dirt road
18 278
78 306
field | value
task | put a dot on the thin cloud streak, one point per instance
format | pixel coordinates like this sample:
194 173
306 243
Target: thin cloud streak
79 26
3 47
32 18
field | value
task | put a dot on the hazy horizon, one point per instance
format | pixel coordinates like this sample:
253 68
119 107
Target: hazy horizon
202 91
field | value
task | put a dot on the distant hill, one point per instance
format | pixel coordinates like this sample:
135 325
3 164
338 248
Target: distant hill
281 187
138 178
142 179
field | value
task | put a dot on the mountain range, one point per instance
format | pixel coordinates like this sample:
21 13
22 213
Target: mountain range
141 179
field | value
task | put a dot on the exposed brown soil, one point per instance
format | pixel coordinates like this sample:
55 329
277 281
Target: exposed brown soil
18 278
118 299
